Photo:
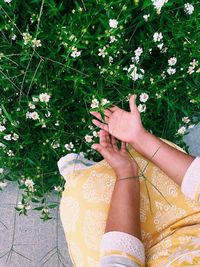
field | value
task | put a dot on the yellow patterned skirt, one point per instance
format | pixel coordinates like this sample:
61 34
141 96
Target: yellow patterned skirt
170 222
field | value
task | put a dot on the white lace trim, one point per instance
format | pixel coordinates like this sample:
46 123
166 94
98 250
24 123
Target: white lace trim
191 180
123 242
73 162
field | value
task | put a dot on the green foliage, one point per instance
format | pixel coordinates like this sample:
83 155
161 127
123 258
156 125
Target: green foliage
39 53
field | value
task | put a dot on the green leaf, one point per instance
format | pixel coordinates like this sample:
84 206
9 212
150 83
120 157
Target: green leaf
38 208
52 206
7 114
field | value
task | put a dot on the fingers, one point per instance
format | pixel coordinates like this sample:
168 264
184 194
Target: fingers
114 143
123 147
104 139
114 108
132 103
100 125
99 117
107 112
107 137
102 150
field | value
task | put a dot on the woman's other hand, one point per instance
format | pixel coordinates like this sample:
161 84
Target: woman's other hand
118 159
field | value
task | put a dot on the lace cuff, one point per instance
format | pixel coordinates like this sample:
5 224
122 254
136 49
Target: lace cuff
191 182
124 243
73 162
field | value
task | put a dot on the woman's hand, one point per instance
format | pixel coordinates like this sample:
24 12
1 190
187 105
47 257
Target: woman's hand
125 126
118 159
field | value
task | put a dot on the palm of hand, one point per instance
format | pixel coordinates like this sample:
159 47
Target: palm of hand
125 126
122 125
118 159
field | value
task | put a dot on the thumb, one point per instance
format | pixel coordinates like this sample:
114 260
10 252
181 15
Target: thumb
102 150
132 104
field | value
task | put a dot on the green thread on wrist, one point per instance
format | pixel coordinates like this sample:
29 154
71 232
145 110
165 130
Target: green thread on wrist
131 177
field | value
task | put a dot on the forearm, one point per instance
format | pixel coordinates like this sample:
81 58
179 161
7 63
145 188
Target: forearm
170 160
124 211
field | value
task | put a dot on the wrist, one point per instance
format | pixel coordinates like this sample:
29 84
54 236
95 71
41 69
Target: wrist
131 172
140 140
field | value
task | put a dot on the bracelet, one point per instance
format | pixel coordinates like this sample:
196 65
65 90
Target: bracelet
127 178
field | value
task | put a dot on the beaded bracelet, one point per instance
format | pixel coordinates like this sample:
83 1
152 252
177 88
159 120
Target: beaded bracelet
127 178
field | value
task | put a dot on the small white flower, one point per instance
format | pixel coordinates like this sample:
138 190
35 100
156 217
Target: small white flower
172 61
55 145
95 103
69 146
141 108
171 70
138 51
181 130
112 39
26 37
144 97
113 23
1 55
82 154
157 37
104 101
8 1
188 8
45 210
2 128
7 137
110 60
34 115
14 37
2 145
35 99
95 134
27 206
36 43
91 127
146 16
20 205
48 114
75 54
1 170
133 72
29 183
28 115
191 126
164 50
3 184
31 106
102 52
10 153
158 4
15 136
160 46
88 138
193 64
57 188
190 70
185 120
44 97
